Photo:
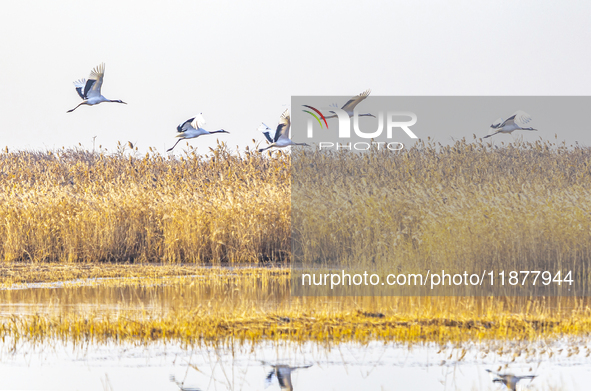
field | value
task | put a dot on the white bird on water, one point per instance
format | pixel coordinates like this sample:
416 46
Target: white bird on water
349 107
90 90
281 137
515 122
510 381
181 385
192 128
283 375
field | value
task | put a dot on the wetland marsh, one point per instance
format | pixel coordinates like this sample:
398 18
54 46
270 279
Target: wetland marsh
222 329
135 268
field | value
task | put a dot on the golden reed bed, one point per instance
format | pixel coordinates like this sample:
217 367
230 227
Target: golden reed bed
77 206
469 206
466 204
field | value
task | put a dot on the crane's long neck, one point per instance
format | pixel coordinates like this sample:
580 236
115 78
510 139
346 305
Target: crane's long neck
350 115
218 131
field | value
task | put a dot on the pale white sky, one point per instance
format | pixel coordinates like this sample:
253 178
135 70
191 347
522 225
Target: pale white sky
240 62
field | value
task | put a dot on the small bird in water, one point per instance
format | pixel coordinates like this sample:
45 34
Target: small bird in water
181 385
283 375
90 90
192 128
510 381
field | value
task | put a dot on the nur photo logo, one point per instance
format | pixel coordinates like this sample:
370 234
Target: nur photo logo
365 133
315 116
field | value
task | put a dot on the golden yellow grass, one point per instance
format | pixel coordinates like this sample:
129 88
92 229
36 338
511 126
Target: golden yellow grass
427 207
469 206
77 206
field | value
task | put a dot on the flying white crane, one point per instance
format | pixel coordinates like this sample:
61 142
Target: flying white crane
90 90
349 107
192 128
281 137
510 381
283 375
515 122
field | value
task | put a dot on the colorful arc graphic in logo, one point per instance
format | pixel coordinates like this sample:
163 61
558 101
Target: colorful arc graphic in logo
315 116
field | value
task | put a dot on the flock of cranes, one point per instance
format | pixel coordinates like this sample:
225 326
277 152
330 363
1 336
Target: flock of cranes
90 93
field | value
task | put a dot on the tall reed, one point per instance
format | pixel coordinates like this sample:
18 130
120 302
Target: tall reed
78 206
463 206
428 206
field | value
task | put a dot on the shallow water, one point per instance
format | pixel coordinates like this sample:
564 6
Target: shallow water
53 365
345 367
123 294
